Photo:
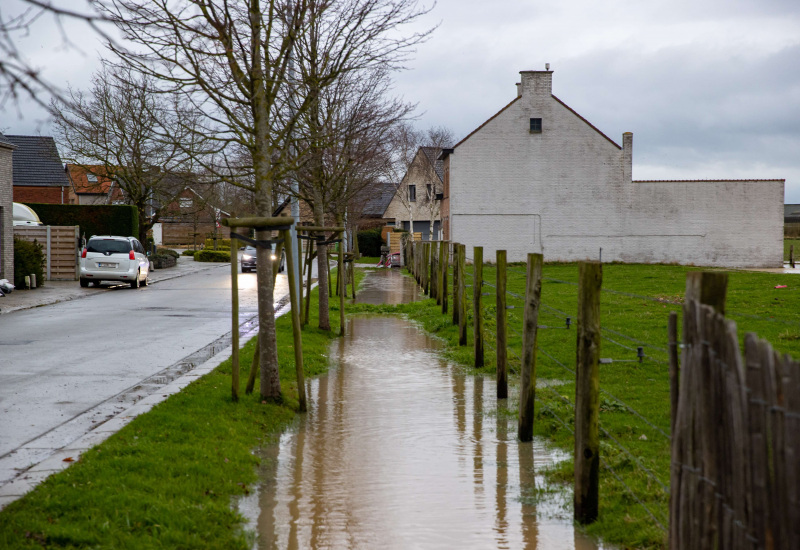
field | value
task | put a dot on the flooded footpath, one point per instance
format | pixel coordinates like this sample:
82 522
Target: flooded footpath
401 449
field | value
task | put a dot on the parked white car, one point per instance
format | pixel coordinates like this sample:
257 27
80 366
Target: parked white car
112 258
24 215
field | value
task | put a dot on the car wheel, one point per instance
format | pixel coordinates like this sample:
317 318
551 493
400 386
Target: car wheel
84 283
135 281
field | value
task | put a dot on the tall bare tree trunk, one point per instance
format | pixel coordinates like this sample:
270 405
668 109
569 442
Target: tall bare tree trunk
270 377
322 270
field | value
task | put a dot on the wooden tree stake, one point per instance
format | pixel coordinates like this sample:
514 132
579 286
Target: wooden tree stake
527 384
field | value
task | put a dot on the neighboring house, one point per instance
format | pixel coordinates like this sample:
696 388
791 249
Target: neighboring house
6 209
416 196
89 185
191 219
374 209
538 177
38 172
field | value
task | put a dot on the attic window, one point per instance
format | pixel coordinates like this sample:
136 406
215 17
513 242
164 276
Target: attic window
186 202
536 125
92 178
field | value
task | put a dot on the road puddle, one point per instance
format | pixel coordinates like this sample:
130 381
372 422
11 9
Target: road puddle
401 449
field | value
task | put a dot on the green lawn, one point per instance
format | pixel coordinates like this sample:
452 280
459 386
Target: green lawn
167 479
635 308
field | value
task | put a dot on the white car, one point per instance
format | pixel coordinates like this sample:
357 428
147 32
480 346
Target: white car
112 258
25 216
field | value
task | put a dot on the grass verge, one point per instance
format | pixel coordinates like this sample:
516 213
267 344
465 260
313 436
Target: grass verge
634 310
167 479
791 242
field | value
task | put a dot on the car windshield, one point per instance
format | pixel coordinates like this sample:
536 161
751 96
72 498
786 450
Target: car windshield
249 250
108 245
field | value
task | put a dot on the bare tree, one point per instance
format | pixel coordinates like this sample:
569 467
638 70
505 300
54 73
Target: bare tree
345 141
232 59
116 130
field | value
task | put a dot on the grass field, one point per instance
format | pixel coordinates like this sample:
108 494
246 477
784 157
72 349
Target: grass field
786 244
167 479
634 310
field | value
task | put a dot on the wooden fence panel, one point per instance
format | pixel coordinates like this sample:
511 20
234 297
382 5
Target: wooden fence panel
60 246
735 481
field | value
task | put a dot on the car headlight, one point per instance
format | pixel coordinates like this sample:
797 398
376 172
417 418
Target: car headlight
273 257
247 257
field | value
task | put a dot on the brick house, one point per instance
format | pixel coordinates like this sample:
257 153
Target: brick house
6 209
38 172
538 177
191 219
416 195
88 185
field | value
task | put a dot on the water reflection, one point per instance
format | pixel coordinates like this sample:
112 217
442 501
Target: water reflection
387 286
400 450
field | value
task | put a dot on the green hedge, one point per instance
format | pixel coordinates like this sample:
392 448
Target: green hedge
369 242
168 252
226 243
28 259
100 219
212 256
189 252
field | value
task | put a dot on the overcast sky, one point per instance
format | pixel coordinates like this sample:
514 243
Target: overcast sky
709 88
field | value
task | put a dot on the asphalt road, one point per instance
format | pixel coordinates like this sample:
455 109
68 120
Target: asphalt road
67 367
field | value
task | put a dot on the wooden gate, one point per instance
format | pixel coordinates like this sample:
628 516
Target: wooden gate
60 245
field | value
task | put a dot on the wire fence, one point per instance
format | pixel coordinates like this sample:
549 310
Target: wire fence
618 339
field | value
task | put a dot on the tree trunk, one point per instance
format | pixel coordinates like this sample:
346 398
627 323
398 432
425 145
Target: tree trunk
322 271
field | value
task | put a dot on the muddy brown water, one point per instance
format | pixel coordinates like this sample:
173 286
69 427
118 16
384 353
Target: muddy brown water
401 449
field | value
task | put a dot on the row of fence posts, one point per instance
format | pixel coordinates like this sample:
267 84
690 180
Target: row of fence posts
429 264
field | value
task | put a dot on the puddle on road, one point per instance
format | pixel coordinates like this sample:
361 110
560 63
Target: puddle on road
401 449
387 286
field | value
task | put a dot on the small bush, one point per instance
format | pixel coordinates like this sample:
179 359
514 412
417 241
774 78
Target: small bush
212 256
28 259
369 242
162 261
189 252
168 252
220 244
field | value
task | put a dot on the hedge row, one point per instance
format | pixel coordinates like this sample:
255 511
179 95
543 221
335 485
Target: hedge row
369 242
28 259
212 256
100 219
226 243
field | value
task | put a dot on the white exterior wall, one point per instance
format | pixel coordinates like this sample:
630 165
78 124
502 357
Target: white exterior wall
567 192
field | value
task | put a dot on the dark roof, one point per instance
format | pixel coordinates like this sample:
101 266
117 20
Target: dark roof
36 162
433 156
377 205
5 142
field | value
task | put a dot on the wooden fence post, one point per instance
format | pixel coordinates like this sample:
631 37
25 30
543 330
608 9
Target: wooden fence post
295 312
310 264
462 296
435 273
502 322
587 393
444 264
456 277
791 255
342 289
353 275
477 304
427 273
674 368
235 321
527 384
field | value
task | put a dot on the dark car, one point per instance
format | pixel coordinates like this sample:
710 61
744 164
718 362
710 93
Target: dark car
249 259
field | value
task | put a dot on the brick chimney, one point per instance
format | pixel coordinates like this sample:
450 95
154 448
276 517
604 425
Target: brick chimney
537 83
627 157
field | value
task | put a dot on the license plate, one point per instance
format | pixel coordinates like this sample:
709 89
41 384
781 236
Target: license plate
105 264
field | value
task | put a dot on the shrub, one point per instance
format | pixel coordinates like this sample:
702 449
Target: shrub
369 242
28 259
99 219
168 252
189 252
212 256
161 261
226 243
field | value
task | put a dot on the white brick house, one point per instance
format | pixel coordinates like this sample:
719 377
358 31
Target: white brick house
6 209
538 177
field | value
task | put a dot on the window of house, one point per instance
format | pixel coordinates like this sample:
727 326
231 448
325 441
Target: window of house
186 202
412 193
536 125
